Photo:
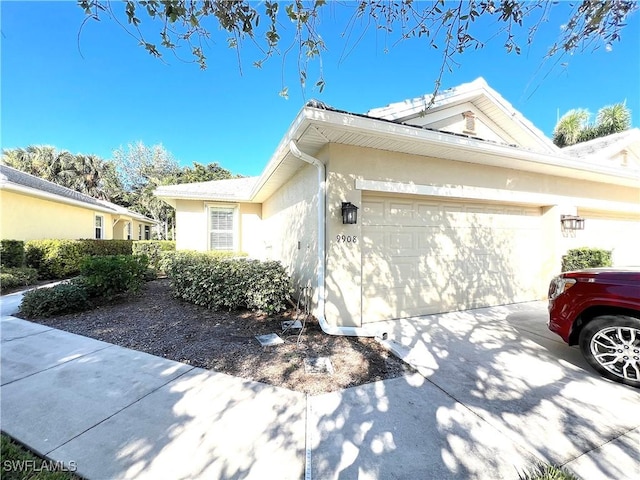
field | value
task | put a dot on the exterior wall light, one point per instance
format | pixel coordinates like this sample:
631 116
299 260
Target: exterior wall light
349 213
571 222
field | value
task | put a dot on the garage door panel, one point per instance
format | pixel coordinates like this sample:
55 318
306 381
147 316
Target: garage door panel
379 274
422 257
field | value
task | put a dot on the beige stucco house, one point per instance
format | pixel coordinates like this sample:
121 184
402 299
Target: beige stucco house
32 208
464 205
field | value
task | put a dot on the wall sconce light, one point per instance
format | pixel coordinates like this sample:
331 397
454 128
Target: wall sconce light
571 222
349 213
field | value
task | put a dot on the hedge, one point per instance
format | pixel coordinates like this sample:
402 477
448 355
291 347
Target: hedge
153 250
13 277
53 258
62 258
216 282
11 253
108 276
585 257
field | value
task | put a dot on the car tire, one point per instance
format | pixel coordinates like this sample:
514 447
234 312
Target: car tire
611 345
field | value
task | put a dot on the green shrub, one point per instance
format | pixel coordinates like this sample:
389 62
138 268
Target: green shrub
62 298
579 258
11 253
216 282
153 250
107 276
543 471
62 258
91 247
168 257
17 277
54 258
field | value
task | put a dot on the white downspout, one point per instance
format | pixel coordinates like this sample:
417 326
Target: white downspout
322 200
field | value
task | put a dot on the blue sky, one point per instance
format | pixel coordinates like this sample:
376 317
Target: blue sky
105 92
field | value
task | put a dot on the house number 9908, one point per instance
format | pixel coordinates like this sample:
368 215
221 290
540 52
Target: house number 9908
347 238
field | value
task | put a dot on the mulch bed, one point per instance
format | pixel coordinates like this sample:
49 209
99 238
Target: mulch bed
157 323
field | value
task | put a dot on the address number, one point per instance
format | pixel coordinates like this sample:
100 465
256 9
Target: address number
347 238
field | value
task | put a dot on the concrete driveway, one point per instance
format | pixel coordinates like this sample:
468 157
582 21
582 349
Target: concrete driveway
497 392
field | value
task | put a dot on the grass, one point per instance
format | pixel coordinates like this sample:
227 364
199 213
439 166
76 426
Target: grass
543 471
18 463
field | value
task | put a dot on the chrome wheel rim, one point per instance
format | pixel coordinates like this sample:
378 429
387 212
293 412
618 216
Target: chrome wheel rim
617 349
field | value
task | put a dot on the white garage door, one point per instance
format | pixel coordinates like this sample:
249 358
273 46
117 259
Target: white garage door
422 256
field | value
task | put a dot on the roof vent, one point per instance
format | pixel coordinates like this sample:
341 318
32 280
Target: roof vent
469 122
625 158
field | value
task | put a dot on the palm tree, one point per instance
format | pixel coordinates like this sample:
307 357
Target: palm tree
613 119
17 158
86 174
87 171
568 128
574 128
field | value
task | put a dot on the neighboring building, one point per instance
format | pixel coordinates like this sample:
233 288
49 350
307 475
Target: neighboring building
32 208
461 206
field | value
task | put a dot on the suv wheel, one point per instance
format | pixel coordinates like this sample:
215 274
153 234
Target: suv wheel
611 345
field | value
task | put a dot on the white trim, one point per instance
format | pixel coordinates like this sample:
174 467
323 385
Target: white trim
322 198
102 226
484 153
235 219
466 192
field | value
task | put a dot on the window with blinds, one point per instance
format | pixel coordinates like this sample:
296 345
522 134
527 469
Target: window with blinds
221 228
99 224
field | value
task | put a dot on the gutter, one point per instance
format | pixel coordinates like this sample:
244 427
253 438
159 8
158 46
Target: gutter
322 199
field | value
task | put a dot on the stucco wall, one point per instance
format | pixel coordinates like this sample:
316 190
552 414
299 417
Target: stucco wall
616 232
192 226
289 227
346 164
120 229
29 218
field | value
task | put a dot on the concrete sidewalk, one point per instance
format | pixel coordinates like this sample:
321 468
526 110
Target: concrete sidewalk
496 393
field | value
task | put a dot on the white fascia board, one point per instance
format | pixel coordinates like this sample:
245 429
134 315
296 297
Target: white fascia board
511 112
465 93
293 133
167 196
410 107
491 153
33 192
466 192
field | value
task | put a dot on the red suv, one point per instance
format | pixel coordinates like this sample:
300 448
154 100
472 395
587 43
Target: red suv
599 309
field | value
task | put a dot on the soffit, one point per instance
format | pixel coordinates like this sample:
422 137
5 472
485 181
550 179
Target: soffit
336 127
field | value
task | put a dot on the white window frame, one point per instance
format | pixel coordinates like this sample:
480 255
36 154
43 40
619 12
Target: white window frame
139 231
235 230
99 236
128 228
147 232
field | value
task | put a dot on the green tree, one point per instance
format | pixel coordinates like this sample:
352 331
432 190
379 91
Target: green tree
452 27
568 128
82 173
141 170
574 126
204 173
613 119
